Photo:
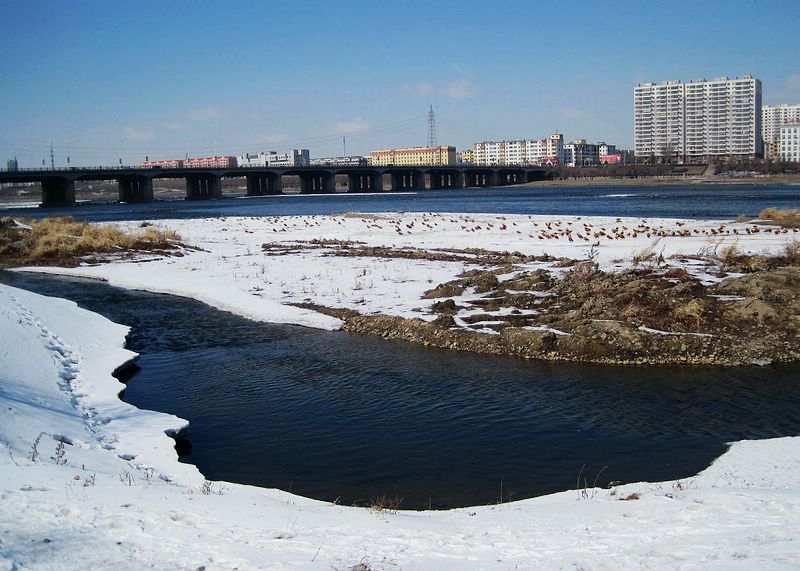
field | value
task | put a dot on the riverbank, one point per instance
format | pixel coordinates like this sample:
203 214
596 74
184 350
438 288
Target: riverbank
91 482
589 289
669 180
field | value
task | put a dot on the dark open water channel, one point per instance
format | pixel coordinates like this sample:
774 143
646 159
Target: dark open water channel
329 415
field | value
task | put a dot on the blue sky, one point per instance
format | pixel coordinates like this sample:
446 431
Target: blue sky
110 80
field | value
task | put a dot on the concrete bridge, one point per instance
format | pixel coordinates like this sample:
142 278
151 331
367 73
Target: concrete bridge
136 184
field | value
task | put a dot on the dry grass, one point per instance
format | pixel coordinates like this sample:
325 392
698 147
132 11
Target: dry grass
789 218
385 503
66 241
791 253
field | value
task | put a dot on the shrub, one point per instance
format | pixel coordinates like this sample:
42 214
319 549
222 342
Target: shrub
64 241
788 218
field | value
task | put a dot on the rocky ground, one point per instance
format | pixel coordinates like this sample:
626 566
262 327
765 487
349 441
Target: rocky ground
573 311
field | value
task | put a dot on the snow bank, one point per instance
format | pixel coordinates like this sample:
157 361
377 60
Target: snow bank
99 503
232 272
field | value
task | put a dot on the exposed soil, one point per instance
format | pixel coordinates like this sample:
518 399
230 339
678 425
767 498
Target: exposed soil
635 317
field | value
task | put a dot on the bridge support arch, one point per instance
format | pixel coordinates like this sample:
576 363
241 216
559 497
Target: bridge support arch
320 182
58 191
263 184
366 182
203 186
511 176
407 180
445 179
135 189
480 178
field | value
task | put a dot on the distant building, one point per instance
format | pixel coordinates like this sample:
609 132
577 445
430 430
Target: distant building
12 165
789 141
170 164
296 158
414 156
466 157
222 162
773 117
351 161
699 120
604 149
612 159
579 153
547 151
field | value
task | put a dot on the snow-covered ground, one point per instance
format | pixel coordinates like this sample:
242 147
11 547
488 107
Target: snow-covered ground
114 495
89 482
232 271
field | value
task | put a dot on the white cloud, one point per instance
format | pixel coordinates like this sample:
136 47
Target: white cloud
204 114
460 89
571 112
418 90
138 134
353 126
173 126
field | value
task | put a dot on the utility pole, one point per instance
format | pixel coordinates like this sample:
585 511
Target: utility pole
52 158
344 146
431 128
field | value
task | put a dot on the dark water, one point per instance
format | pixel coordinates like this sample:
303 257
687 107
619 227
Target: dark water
679 201
329 415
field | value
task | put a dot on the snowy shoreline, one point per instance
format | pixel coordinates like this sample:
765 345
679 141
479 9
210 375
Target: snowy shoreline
117 496
88 481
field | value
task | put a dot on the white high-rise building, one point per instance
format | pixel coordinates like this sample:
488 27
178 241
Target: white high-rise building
773 117
698 120
789 138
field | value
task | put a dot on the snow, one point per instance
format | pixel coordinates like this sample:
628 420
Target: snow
114 495
231 271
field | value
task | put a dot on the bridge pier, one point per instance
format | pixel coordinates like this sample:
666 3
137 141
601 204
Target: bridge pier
450 179
203 186
135 189
511 177
317 183
264 184
369 182
407 181
480 179
57 191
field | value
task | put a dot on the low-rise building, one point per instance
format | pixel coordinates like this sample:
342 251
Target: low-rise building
295 158
466 157
169 164
215 162
579 153
789 138
548 151
414 156
350 161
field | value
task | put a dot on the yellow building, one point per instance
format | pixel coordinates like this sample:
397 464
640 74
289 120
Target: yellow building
414 156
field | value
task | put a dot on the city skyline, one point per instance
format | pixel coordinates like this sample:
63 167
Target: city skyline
107 82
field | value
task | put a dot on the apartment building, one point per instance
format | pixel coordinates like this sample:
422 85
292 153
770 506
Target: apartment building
699 120
348 161
773 117
222 162
789 142
295 158
520 152
414 156
580 153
